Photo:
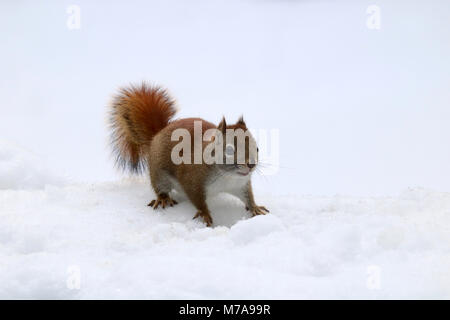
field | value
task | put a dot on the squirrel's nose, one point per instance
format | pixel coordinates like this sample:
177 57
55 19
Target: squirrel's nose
250 165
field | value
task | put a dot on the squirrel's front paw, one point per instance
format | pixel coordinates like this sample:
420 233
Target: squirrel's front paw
206 217
164 200
257 210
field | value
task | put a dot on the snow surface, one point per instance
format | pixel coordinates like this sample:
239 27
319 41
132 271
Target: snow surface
21 168
307 247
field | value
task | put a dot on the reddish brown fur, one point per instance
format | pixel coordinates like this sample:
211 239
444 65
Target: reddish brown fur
192 177
138 113
141 134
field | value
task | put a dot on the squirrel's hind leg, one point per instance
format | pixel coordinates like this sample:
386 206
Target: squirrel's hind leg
162 186
164 200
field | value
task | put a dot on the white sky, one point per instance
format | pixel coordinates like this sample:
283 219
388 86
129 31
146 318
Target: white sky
359 111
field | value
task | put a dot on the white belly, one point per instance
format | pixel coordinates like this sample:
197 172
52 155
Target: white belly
228 183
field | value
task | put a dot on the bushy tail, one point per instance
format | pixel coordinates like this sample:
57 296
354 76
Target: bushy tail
138 113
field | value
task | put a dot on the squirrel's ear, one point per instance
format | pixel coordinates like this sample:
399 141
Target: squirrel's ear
222 125
241 121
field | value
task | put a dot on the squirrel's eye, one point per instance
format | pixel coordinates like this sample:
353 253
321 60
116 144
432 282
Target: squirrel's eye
229 150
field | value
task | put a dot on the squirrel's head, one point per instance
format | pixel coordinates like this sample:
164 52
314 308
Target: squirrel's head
240 153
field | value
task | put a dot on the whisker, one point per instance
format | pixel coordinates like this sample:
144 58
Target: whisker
261 174
269 165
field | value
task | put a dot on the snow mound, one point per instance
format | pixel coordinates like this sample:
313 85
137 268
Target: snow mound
21 169
102 241
250 230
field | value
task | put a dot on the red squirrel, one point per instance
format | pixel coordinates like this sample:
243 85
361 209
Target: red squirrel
142 125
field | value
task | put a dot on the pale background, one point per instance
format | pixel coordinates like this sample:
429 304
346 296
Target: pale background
361 112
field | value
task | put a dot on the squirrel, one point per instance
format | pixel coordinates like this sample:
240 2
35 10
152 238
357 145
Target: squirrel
142 124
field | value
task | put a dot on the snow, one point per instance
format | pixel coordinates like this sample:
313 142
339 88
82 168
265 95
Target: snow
360 114
21 169
104 235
